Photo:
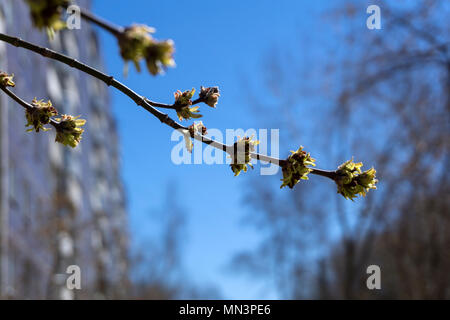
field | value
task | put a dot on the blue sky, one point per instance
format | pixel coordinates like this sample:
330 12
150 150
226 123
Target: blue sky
217 43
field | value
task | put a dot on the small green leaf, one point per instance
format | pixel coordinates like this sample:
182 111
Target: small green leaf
210 96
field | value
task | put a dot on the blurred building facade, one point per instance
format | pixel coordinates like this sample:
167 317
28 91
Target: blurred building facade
59 206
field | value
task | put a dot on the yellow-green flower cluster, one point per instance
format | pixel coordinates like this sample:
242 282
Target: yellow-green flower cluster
159 56
40 115
351 181
184 98
69 131
136 44
192 130
246 145
188 113
295 167
210 96
133 43
6 80
47 14
183 104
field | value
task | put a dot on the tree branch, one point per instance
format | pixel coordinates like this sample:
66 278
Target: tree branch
138 99
108 80
21 102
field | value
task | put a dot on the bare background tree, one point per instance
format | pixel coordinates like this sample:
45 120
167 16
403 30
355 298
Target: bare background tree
384 95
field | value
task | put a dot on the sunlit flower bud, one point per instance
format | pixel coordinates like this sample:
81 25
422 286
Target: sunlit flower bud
367 179
183 104
159 55
184 98
47 14
241 161
39 115
210 95
134 42
6 80
237 168
68 130
295 167
197 127
352 182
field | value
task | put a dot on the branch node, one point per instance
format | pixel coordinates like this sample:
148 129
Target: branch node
110 81
141 101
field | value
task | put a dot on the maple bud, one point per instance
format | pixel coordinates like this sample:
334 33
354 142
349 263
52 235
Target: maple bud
246 145
351 182
69 131
6 80
39 115
210 96
295 167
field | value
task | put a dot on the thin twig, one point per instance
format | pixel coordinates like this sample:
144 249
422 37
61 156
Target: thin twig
160 105
23 103
171 106
138 99
108 26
